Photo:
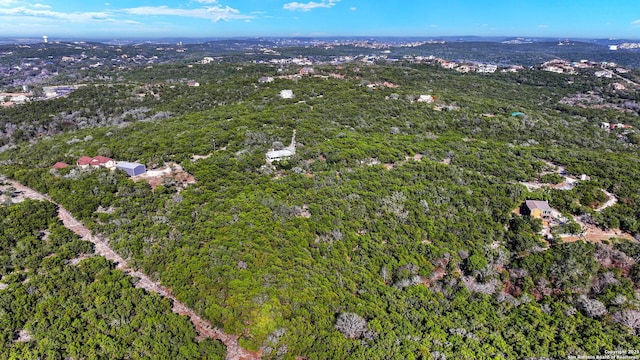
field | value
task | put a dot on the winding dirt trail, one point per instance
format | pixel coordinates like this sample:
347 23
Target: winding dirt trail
610 202
204 328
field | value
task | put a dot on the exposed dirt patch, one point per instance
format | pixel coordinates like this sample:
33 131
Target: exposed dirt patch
597 236
171 174
76 261
391 166
436 275
592 233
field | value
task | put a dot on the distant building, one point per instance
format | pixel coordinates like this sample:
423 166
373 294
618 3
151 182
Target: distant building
265 79
131 168
193 83
603 73
98 161
84 162
425 98
278 155
306 70
56 91
554 69
286 94
513 68
487 68
538 209
103 161
60 165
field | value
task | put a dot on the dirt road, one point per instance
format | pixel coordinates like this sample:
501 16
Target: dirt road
204 328
612 201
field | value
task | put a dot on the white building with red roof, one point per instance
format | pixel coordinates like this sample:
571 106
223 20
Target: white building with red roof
97 161
109 163
84 162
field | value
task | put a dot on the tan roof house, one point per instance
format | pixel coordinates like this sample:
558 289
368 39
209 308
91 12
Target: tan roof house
538 209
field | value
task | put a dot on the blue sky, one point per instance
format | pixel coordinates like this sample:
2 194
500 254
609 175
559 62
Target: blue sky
229 18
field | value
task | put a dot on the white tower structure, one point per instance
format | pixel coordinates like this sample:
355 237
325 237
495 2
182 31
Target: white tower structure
45 38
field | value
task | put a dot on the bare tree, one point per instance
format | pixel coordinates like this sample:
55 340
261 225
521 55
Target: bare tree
437 355
384 272
394 204
602 282
628 318
351 325
591 307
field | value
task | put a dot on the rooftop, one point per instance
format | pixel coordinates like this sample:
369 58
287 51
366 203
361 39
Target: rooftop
538 204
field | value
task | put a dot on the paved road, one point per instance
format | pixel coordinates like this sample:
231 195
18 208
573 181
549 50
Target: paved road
204 328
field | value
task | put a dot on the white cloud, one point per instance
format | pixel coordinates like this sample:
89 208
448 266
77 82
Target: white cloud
353 8
296 6
75 17
635 23
213 13
543 26
41 6
8 2
207 1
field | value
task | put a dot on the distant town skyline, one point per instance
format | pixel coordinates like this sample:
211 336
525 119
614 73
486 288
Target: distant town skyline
317 18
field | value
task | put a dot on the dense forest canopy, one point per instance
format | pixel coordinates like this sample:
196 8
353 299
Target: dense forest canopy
395 230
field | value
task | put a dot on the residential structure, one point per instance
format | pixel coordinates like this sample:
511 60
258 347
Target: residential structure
84 162
98 161
60 165
487 68
286 94
613 126
278 155
306 70
425 98
131 168
103 161
538 209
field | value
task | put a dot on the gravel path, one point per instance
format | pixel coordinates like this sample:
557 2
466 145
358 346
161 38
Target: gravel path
204 328
612 201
